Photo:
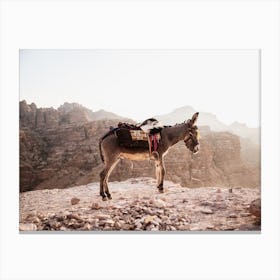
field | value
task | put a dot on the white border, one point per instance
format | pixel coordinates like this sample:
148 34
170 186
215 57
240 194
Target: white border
139 25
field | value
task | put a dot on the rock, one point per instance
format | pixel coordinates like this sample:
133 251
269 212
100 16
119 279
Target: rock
109 222
87 226
206 211
232 215
27 227
184 227
155 228
75 200
103 216
247 227
95 206
95 223
150 227
207 203
73 217
173 217
245 214
148 211
255 208
117 225
148 219
138 225
210 227
155 222
159 203
219 197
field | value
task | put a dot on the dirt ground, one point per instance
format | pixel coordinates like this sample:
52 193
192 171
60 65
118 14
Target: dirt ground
138 206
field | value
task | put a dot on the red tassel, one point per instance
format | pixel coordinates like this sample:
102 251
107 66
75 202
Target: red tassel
155 143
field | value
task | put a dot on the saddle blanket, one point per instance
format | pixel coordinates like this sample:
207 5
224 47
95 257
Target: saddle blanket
132 138
138 135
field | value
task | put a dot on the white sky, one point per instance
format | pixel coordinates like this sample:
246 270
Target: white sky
141 84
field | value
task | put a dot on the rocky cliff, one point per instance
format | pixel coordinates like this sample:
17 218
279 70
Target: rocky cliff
59 149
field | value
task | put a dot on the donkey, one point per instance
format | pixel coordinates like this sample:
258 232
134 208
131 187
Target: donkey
111 152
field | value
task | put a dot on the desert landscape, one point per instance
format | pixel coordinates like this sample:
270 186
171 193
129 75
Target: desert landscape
216 189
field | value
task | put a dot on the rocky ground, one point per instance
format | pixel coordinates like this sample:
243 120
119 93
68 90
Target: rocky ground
138 206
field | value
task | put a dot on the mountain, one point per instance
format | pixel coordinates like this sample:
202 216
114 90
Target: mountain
241 129
75 109
183 113
207 119
67 113
59 149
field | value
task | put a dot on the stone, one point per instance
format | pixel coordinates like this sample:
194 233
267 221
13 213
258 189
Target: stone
184 227
117 225
109 222
155 222
27 227
255 208
210 227
75 201
159 203
206 211
103 216
245 214
87 226
138 225
219 197
232 215
95 206
148 219
248 227
155 228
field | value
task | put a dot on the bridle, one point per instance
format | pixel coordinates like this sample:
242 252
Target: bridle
192 134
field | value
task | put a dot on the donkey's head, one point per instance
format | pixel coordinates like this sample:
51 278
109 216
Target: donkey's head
192 138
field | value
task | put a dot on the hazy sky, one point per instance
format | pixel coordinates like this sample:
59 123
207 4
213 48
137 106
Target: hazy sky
141 84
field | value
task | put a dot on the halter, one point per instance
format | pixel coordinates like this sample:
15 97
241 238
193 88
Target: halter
190 133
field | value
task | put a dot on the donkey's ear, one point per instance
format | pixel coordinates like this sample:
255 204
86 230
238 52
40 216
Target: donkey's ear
194 118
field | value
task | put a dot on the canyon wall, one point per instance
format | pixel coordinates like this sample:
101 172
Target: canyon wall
59 149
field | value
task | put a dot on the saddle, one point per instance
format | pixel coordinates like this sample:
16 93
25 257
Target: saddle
145 135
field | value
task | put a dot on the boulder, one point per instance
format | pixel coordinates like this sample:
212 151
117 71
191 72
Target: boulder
255 208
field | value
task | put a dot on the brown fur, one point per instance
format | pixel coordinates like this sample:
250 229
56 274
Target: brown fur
111 152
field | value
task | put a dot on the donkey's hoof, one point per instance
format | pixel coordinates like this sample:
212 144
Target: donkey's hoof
104 198
161 190
109 197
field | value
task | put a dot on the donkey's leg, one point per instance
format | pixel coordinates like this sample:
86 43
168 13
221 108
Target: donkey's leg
161 175
107 177
103 175
157 174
